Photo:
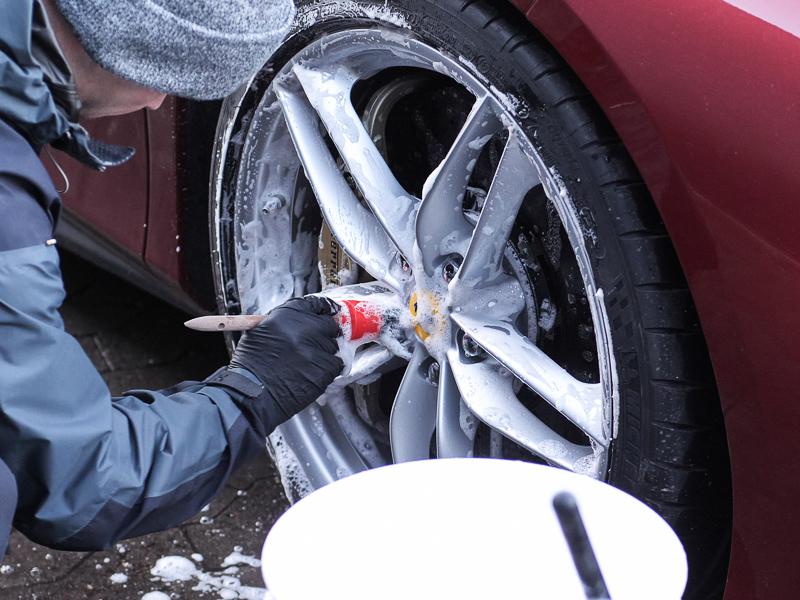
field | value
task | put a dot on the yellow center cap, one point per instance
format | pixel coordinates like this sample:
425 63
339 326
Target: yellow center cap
419 312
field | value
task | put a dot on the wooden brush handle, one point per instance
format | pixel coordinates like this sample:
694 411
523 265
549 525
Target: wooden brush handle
225 323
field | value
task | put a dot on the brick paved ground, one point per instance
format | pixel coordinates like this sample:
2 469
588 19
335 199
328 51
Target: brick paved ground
137 341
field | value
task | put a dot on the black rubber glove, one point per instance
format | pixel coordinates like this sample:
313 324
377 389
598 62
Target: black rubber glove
293 353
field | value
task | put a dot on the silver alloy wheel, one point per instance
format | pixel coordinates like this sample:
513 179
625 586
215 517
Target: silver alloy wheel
470 357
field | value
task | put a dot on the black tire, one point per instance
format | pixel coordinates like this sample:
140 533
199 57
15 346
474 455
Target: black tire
671 450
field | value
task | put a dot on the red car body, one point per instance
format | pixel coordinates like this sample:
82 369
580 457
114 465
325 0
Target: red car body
706 97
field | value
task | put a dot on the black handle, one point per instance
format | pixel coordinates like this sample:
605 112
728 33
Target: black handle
594 586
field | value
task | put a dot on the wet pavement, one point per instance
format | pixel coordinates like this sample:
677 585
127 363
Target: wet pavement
137 341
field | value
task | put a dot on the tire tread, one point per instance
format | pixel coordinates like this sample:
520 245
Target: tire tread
673 477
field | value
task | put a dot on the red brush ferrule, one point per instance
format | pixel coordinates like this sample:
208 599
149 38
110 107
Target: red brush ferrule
361 318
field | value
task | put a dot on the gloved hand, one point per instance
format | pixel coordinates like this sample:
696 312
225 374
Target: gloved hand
293 353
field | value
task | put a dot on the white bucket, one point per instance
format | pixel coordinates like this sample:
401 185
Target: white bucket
466 529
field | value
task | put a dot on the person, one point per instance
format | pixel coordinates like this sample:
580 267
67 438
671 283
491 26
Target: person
79 469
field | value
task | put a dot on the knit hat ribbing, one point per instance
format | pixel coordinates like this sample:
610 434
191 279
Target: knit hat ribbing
200 49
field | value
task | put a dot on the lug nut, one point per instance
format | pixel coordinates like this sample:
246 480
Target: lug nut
274 203
450 269
470 347
433 373
404 264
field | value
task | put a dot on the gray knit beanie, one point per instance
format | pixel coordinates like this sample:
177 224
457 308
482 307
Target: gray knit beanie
201 49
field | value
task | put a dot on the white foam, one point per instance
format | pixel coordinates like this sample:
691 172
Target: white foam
344 8
170 569
237 558
293 476
174 568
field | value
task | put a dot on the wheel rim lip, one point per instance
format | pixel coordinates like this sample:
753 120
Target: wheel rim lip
298 433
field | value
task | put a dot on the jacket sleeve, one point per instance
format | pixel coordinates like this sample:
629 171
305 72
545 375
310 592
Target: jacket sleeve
92 469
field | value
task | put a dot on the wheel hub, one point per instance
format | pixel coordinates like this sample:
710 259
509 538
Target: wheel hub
429 318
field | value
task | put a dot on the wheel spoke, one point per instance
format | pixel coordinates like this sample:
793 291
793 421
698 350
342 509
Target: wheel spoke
366 363
414 413
442 228
581 403
489 394
451 441
515 176
329 94
354 226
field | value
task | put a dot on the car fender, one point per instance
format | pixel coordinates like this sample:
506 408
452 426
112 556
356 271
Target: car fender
705 96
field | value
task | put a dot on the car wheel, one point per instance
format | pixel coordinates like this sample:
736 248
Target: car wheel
445 149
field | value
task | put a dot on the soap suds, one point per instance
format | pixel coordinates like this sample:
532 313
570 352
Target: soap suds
170 569
119 578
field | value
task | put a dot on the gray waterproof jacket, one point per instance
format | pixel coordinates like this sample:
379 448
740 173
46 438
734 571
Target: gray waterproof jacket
90 469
